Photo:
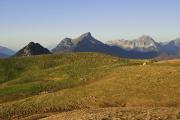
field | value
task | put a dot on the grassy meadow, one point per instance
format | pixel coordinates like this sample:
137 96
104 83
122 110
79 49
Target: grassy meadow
55 83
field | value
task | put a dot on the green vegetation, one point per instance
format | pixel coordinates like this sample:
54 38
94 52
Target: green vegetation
55 83
26 76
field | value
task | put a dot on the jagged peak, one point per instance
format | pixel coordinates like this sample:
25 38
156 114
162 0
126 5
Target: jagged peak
145 38
67 39
88 34
65 42
85 36
31 43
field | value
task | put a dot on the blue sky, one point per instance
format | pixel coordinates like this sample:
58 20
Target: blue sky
49 21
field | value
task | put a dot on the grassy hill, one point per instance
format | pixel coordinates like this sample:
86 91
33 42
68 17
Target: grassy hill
56 83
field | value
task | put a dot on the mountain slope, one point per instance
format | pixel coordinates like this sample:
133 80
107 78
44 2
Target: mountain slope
84 43
87 43
3 55
171 48
32 49
4 51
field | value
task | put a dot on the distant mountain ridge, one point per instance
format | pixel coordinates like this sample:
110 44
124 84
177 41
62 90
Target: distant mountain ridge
87 43
144 47
144 43
84 43
5 52
171 48
77 44
3 55
32 49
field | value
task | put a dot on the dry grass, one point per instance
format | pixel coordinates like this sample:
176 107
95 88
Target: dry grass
131 85
119 113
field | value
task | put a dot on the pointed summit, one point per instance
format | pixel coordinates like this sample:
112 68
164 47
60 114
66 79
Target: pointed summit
64 46
146 38
86 37
31 44
32 49
84 42
88 34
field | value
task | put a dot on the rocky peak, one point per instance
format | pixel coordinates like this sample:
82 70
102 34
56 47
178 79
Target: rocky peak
84 42
145 38
85 38
31 45
66 41
32 49
86 35
143 43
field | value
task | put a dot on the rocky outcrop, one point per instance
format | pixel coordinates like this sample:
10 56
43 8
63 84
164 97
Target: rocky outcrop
32 49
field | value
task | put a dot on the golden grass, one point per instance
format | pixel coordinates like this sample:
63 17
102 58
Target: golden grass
153 85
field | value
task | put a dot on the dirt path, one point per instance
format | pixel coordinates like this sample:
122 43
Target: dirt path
119 113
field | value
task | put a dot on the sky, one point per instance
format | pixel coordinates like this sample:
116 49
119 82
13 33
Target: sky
49 21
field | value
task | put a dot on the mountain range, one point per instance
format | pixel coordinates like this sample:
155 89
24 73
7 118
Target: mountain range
146 43
144 47
141 48
143 43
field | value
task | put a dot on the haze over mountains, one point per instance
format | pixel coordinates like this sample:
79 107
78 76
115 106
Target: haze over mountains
144 47
143 43
5 52
146 43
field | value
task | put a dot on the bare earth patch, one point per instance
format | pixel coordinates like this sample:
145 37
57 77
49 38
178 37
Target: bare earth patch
119 113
